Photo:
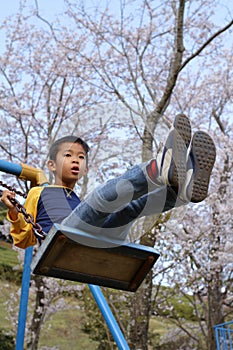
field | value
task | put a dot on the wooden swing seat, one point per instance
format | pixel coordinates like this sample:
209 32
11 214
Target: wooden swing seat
70 254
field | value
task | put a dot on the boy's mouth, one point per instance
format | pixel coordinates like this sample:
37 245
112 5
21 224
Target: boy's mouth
75 170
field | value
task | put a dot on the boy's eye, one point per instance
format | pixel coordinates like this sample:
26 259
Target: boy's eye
67 155
81 157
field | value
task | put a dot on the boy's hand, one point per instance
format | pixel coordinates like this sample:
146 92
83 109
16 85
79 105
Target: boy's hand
12 211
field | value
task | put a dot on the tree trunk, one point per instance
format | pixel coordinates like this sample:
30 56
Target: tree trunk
215 315
141 300
140 313
38 315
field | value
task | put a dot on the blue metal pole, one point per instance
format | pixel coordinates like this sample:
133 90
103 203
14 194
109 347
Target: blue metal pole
217 333
22 317
109 318
10 168
16 170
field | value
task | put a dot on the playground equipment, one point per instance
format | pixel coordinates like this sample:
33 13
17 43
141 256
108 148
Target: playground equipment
68 254
78 256
224 336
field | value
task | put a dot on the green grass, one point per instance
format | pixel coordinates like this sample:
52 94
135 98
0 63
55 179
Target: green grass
64 332
158 325
63 329
8 256
5 290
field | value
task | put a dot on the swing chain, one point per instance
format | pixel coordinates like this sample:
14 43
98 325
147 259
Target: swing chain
12 189
36 228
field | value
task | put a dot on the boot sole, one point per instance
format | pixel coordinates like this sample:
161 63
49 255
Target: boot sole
203 155
181 141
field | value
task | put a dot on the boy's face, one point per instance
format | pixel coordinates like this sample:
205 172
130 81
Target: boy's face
70 164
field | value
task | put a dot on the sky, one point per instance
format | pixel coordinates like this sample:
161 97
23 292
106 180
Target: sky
49 7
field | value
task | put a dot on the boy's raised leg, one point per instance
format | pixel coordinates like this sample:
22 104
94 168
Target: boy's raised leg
170 166
187 174
199 167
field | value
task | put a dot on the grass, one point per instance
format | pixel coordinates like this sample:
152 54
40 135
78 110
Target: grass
5 290
8 256
64 332
159 325
63 329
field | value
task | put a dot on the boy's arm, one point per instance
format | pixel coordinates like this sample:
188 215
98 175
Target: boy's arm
21 231
6 199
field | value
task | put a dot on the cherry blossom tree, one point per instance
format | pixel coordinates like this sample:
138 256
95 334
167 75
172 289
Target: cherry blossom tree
152 60
158 60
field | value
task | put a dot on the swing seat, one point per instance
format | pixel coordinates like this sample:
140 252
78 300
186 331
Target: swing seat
74 255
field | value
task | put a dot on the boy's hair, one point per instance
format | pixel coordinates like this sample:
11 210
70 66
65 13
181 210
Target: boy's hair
70 138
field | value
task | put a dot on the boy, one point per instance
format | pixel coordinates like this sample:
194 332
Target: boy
174 179
50 204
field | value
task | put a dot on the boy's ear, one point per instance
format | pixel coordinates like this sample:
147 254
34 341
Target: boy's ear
51 165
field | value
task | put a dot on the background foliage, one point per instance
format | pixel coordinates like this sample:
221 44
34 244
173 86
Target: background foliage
117 76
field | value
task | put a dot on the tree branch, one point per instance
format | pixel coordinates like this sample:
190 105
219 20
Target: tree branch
206 44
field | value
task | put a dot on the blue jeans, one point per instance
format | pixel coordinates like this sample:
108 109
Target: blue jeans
111 209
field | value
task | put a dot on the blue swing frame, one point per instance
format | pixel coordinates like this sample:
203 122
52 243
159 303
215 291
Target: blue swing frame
224 336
